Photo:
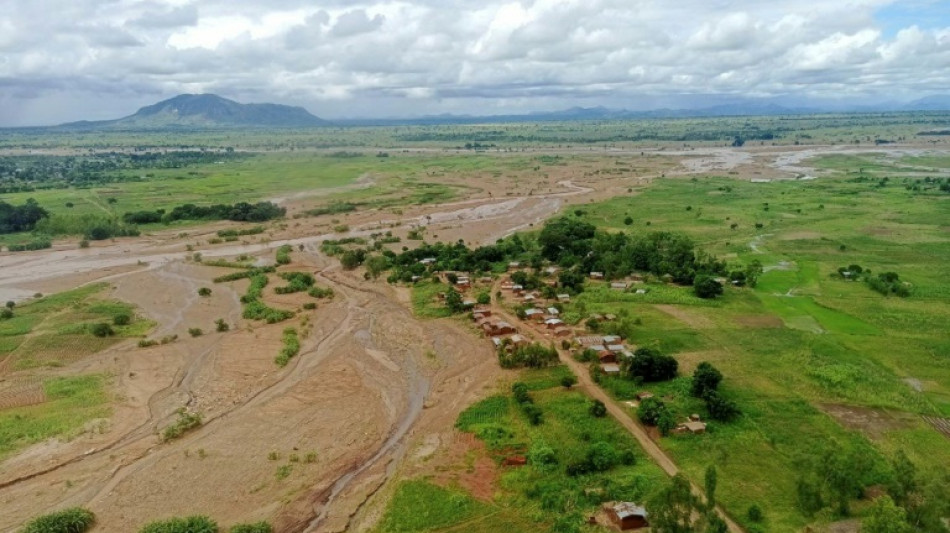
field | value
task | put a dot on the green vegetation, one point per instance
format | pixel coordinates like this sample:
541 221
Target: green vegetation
283 254
290 349
58 329
320 292
72 520
248 273
296 282
255 308
531 355
239 212
190 524
575 462
70 402
255 527
186 422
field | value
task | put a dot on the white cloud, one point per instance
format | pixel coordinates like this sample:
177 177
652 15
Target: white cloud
390 57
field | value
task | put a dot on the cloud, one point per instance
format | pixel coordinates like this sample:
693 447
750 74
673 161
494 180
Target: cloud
392 57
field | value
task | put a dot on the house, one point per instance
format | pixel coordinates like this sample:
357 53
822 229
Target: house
529 297
482 310
619 285
627 515
562 332
643 395
477 317
485 279
496 341
507 285
534 314
427 260
626 354
596 275
694 427
637 278
551 270
641 291
514 265
416 278
468 303
553 311
610 369
616 348
589 340
610 317
564 298
494 329
518 340
517 289
553 323
611 339
463 283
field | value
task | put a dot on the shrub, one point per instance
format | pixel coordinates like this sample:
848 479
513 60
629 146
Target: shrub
6 313
706 287
320 292
755 513
195 332
283 254
101 329
186 422
256 527
190 524
72 520
84 243
221 326
204 291
122 319
568 381
597 409
650 411
705 378
309 306
290 349
145 343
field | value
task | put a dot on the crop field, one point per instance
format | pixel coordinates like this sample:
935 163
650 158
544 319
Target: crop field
802 342
69 403
54 330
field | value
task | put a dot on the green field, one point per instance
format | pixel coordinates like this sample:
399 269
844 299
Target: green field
71 403
801 342
539 496
54 330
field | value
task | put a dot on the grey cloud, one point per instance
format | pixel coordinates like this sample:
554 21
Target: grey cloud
178 17
356 22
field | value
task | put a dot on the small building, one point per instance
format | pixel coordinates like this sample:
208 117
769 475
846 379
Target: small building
518 340
610 317
564 298
553 311
643 395
562 332
610 369
529 297
495 329
596 275
468 303
477 317
619 285
485 279
626 354
517 289
534 314
694 427
627 515
611 339
551 270
416 278
589 340
496 341
641 291
482 310
507 285
514 265
427 261
553 323
617 348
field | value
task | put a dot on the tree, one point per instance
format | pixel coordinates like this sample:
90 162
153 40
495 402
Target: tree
905 478
571 280
885 517
710 480
672 508
452 278
715 524
705 378
10 304
568 381
706 287
650 411
101 329
483 298
453 300
597 409
649 365
351 259
122 319
720 408
377 264
204 291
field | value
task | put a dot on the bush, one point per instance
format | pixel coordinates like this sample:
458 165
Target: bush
72 520
221 326
256 527
195 332
568 381
122 319
6 313
186 422
145 343
290 349
101 329
204 291
283 254
597 409
190 524
706 287
650 411
309 306
705 378
755 513
84 243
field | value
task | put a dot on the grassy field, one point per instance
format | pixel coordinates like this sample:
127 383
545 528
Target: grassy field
803 343
539 496
71 403
54 330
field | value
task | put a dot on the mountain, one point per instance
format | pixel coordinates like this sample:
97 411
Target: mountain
207 111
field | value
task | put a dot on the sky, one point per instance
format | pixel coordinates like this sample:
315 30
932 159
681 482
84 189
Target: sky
65 60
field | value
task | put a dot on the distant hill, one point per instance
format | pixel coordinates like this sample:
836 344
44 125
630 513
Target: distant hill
207 111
